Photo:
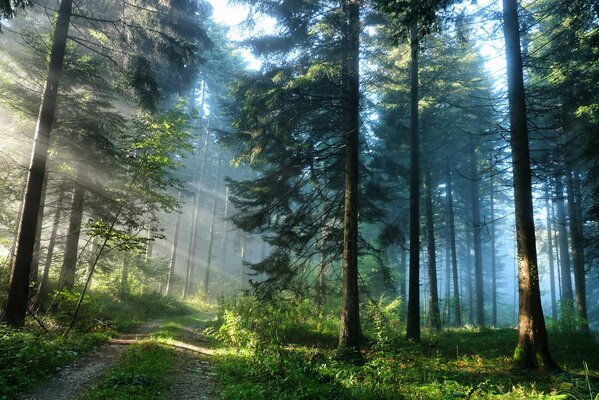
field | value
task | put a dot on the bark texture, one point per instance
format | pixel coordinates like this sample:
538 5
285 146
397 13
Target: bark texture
173 261
476 240
532 350
454 256
433 294
350 330
71 249
577 255
413 318
18 288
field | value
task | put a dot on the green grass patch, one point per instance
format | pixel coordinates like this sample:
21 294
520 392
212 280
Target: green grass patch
27 357
142 373
269 358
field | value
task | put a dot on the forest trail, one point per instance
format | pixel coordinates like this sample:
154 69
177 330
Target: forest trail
191 378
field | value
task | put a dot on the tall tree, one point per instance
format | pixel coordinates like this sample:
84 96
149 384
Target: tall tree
454 257
350 332
413 319
434 314
476 239
577 254
18 292
532 350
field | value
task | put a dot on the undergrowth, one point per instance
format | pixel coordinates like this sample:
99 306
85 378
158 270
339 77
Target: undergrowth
141 373
272 355
28 357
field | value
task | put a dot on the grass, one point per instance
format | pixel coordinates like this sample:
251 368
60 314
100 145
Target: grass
31 356
464 363
142 373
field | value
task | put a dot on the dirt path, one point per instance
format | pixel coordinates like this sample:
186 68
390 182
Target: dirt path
192 377
71 381
74 379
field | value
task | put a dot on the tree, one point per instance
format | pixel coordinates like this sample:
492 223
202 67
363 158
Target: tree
18 295
8 8
350 332
532 350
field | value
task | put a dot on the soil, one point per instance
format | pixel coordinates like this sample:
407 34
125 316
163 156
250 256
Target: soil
192 378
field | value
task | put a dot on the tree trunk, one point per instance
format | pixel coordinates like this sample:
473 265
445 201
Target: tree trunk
454 256
242 257
476 241
557 254
551 264
447 310
18 288
43 288
567 297
193 241
577 255
71 255
413 319
434 314
124 289
468 273
321 289
212 229
532 350
350 331
403 278
493 255
225 238
173 262
35 261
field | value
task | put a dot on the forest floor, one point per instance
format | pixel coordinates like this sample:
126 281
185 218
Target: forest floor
162 359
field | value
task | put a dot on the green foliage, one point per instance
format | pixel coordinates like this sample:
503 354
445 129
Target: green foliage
263 327
101 311
141 373
568 319
463 363
29 356
384 318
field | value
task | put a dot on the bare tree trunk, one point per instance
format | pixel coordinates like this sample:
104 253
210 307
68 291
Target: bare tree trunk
533 346
413 319
43 288
557 255
212 229
551 264
18 288
225 238
35 261
476 240
434 314
321 289
173 261
567 295
242 256
468 273
577 255
350 331
124 289
71 255
454 257
493 255
447 310
403 265
193 241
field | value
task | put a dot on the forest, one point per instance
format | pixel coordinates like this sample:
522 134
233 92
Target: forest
299 199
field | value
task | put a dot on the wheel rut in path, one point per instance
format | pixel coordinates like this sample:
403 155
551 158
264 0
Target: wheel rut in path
73 380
